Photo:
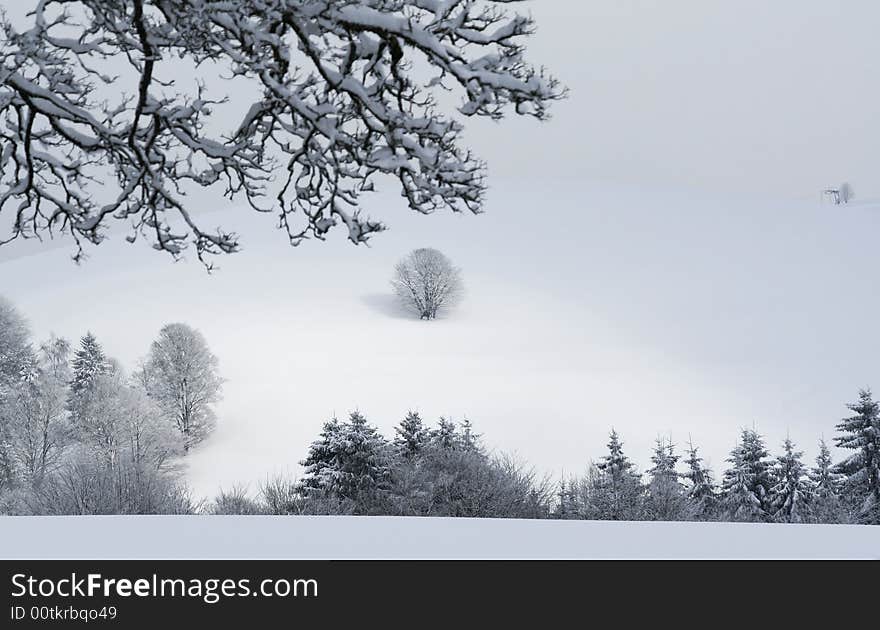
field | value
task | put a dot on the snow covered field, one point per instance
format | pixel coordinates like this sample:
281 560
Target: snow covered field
588 306
339 537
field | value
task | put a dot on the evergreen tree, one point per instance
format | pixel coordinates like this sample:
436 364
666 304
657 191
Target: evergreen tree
469 440
563 502
665 499
701 495
446 436
350 461
791 494
619 492
412 436
827 507
569 499
89 362
746 485
738 500
861 433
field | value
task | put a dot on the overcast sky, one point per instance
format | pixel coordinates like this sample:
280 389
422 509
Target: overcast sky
749 95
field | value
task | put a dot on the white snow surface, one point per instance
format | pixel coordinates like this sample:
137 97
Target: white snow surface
588 306
401 538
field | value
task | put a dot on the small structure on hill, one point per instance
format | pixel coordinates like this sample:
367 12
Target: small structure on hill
839 195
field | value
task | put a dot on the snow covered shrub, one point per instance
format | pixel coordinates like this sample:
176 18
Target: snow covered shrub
453 476
426 282
235 501
87 483
283 496
279 495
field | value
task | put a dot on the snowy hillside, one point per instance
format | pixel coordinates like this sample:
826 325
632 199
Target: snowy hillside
339 537
586 307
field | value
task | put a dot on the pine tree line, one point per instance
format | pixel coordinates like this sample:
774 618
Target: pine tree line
754 487
446 471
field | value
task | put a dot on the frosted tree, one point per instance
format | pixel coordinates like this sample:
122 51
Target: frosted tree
99 419
181 375
89 362
746 486
665 497
16 361
738 499
861 433
470 441
36 413
566 500
55 356
618 493
427 282
89 366
826 507
350 461
791 495
446 435
701 494
15 349
411 436
150 442
122 459
99 123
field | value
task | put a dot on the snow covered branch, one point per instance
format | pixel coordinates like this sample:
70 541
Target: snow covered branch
344 91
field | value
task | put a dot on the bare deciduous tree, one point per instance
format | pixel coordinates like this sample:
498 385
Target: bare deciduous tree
427 282
181 375
343 91
35 410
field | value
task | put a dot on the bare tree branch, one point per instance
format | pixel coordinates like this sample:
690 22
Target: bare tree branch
345 91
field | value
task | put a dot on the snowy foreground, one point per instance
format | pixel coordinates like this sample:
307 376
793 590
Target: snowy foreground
341 537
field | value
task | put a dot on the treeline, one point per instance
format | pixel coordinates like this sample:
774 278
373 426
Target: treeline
79 436
446 471
755 488
443 471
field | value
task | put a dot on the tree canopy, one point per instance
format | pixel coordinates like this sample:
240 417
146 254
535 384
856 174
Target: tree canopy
97 126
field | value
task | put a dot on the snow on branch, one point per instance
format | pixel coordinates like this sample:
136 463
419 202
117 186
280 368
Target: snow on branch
344 91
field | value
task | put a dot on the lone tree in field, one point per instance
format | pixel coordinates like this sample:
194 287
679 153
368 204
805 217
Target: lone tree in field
181 375
103 121
427 282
